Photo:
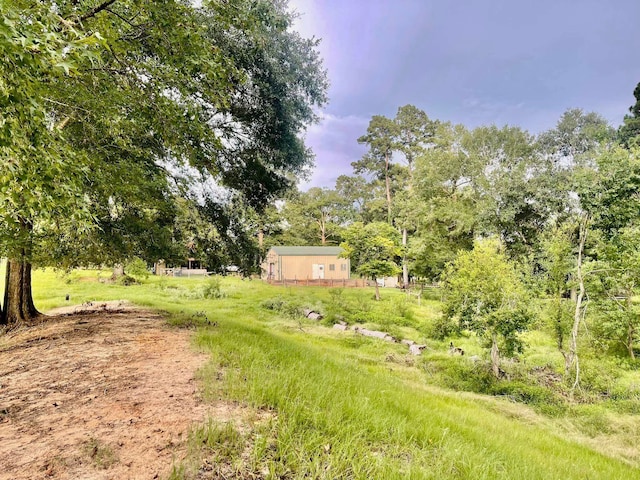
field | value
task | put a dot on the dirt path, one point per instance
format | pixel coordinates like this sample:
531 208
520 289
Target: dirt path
106 394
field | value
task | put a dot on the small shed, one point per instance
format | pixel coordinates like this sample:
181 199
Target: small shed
305 263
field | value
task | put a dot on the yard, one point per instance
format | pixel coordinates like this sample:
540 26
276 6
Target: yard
281 396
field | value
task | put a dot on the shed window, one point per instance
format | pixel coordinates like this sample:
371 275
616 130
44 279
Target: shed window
332 267
343 267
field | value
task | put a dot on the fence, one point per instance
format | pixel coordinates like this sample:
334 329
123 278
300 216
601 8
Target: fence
323 282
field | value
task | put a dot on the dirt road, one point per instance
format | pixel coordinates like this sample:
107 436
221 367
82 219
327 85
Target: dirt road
104 394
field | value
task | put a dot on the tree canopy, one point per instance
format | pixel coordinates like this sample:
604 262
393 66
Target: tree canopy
103 101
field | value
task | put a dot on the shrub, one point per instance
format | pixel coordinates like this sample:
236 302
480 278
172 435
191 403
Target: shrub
442 327
212 289
126 280
283 306
137 268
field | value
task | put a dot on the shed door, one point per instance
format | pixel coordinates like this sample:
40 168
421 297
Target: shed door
317 271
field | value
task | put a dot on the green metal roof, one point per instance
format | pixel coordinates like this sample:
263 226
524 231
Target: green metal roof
307 251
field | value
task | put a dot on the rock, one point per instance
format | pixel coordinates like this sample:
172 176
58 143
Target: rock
416 349
375 334
407 342
339 326
314 316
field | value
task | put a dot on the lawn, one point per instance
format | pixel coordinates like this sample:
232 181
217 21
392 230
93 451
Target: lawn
338 405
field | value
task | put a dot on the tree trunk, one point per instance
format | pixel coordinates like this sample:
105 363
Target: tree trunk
495 356
18 297
572 357
405 267
387 181
375 280
631 333
260 238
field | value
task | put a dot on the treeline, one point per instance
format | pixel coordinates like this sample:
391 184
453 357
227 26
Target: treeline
561 207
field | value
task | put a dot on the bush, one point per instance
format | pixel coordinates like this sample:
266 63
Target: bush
212 289
520 391
126 280
137 268
442 327
286 307
459 374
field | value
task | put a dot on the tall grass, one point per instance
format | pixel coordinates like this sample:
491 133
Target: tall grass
339 410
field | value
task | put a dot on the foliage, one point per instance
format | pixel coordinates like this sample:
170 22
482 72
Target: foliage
629 131
102 106
137 268
314 217
485 294
558 263
212 289
445 205
373 250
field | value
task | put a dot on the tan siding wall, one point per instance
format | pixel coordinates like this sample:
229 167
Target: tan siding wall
301 267
271 258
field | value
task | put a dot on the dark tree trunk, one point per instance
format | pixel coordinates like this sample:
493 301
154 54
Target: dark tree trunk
18 306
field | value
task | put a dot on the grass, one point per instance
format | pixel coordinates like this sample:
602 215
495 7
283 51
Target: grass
349 407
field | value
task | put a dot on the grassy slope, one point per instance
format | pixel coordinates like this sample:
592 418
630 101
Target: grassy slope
341 410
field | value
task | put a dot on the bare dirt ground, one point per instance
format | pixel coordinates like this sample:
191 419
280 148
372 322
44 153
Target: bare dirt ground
101 392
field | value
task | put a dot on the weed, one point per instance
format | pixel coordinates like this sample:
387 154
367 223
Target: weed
101 455
212 289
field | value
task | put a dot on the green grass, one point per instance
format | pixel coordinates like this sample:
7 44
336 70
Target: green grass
356 408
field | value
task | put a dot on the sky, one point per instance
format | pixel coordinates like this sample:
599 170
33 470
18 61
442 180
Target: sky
475 62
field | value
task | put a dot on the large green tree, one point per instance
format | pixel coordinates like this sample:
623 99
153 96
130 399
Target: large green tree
380 138
314 217
373 249
225 88
446 204
485 294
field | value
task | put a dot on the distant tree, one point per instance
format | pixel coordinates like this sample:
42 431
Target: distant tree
446 204
485 294
575 135
629 131
364 199
373 250
557 260
610 194
314 217
415 134
380 138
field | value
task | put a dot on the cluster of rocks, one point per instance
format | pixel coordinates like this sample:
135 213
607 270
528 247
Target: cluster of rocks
414 348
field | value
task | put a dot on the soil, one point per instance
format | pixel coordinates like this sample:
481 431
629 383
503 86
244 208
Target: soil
102 391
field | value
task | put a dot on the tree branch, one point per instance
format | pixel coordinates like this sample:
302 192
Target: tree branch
94 11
